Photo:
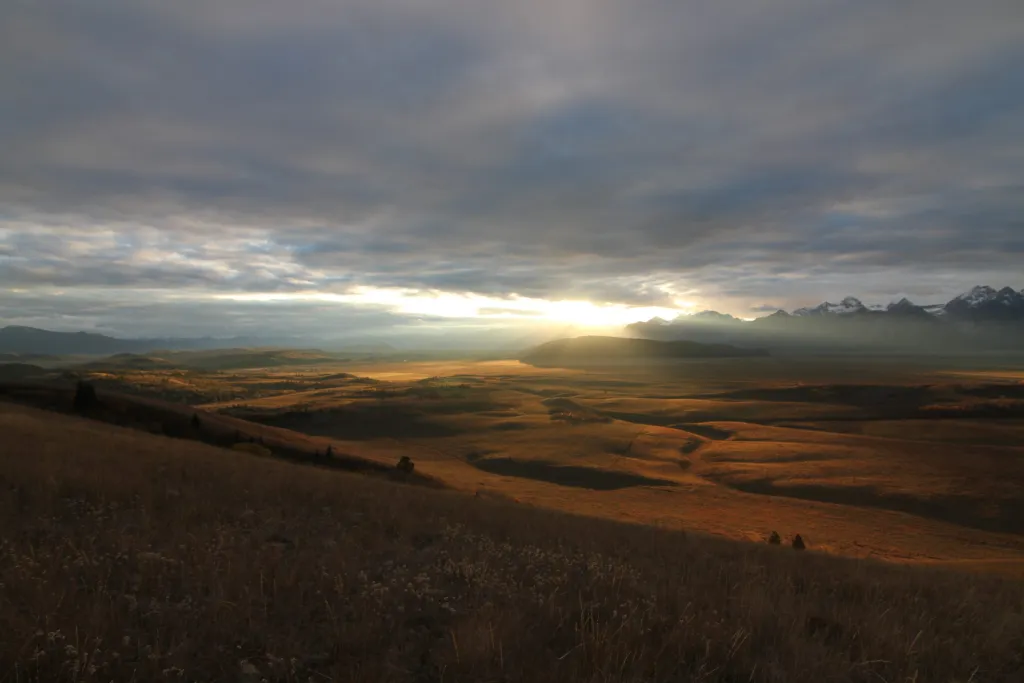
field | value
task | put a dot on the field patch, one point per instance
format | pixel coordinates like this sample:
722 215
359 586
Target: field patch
567 475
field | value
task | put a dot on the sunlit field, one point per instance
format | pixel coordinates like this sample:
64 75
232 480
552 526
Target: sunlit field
864 458
127 556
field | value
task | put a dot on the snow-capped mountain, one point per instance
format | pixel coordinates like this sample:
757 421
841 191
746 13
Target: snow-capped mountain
847 306
980 304
986 304
977 296
980 318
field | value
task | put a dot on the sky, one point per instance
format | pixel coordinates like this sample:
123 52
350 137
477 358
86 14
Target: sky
366 167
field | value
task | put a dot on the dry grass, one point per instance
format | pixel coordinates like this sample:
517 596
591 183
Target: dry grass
732 451
133 557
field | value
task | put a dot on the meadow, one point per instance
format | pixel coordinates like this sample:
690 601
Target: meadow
586 524
894 459
127 556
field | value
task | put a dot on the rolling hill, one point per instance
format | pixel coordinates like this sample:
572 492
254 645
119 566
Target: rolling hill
180 561
599 350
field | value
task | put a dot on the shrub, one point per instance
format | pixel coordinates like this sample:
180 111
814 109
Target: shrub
85 397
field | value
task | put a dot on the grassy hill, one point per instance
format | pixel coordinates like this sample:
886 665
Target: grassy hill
19 371
131 556
599 350
909 468
180 421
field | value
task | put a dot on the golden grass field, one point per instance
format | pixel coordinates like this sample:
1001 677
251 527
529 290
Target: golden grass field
903 461
849 456
129 556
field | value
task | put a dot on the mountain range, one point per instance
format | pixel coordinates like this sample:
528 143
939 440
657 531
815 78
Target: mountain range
980 304
24 343
981 319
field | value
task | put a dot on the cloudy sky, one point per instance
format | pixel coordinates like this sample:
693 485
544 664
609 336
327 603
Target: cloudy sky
222 166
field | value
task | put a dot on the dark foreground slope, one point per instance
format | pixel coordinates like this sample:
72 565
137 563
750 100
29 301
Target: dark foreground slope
595 350
126 556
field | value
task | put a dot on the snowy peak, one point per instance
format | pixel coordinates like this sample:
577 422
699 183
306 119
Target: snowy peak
981 303
978 296
986 304
1008 296
847 306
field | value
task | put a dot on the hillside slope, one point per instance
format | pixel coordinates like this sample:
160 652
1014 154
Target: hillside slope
181 561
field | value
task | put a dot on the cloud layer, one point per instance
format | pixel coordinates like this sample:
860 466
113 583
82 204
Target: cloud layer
642 153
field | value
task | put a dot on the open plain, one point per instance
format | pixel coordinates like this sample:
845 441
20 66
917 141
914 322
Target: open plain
906 461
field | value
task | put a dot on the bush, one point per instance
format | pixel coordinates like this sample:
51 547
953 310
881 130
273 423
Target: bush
85 397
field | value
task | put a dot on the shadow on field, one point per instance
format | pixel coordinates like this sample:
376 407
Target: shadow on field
357 423
566 475
1006 516
510 426
707 431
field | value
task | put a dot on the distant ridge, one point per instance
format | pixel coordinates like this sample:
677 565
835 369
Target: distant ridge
982 318
19 343
18 339
591 350
981 303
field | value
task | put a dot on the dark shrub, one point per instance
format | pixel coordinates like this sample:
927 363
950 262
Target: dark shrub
85 397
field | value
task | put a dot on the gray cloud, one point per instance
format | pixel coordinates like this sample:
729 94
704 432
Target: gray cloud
615 151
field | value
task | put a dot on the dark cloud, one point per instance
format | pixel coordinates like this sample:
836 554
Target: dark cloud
632 152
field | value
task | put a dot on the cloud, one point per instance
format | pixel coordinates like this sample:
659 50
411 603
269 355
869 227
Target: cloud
639 153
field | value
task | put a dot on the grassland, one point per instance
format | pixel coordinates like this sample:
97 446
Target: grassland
127 556
885 459
882 458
